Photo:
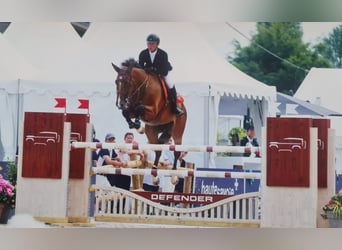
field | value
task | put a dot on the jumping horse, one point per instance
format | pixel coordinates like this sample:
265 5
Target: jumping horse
140 96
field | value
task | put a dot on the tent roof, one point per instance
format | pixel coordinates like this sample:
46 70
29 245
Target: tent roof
60 54
289 105
322 86
14 65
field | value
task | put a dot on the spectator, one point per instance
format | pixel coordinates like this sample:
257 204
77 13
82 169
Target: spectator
94 154
125 155
128 155
94 157
167 158
150 183
110 157
249 140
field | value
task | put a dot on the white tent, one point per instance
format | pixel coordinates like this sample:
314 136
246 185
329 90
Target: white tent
322 86
318 85
80 68
13 64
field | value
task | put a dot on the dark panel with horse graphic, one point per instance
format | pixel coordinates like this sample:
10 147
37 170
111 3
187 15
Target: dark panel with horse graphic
288 152
43 145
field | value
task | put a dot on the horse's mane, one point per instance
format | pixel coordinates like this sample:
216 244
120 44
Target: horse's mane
130 63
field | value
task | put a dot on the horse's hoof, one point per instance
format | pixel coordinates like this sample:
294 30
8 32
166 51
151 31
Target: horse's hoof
137 124
131 125
174 179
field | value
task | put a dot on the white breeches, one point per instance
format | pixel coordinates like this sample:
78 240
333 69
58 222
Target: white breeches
169 81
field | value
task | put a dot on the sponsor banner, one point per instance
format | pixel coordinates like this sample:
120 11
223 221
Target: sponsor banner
164 197
225 186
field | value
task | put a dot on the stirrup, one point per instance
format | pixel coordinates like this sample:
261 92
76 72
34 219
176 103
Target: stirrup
178 111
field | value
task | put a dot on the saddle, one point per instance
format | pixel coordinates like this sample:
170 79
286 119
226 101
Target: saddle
164 87
179 100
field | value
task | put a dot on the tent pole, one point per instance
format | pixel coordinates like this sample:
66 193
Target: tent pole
17 129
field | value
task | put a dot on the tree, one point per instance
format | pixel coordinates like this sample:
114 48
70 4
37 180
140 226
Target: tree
277 56
331 47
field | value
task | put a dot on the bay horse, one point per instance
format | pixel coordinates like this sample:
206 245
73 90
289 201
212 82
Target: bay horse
140 96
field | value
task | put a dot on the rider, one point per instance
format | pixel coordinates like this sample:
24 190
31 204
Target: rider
154 59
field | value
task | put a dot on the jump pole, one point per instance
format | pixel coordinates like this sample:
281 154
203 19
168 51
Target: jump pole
178 172
161 147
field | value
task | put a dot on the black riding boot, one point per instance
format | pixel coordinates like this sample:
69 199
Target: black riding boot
173 99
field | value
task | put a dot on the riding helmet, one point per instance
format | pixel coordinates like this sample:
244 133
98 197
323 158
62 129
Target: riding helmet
153 38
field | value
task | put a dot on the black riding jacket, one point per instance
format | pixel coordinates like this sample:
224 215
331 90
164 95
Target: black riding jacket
161 64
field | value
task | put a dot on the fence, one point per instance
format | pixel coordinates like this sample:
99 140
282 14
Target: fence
115 204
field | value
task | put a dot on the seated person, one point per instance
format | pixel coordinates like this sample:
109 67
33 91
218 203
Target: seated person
110 157
150 183
249 140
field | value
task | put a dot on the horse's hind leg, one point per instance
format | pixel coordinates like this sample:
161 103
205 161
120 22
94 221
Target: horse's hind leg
165 137
178 132
152 137
176 155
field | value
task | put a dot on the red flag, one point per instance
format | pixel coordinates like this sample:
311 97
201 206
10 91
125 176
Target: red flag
84 104
61 103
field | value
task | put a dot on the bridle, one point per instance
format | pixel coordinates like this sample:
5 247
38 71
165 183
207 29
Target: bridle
124 79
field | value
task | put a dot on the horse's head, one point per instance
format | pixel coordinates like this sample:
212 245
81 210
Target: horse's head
127 85
123 85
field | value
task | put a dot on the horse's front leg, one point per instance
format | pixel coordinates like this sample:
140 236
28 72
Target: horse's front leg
157 158
140 110
176 155
155 178
127 114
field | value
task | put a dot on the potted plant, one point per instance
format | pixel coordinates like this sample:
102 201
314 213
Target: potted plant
236 134
333 210
8 183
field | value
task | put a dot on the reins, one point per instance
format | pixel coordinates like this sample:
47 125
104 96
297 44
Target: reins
145 82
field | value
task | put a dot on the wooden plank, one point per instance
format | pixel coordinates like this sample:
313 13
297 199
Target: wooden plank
78 134
322 146
183 222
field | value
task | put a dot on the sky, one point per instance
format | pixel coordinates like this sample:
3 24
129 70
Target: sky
221 35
